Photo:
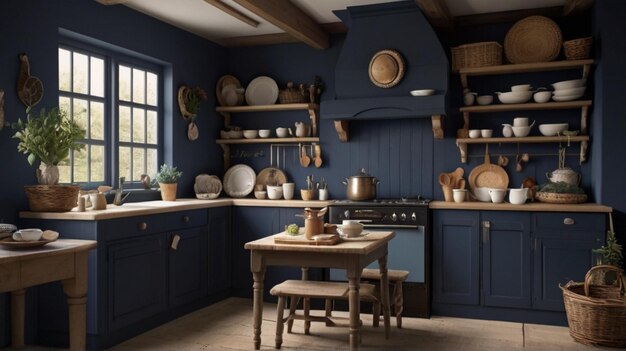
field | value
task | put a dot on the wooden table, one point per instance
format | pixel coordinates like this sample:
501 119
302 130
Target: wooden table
64 260
352 256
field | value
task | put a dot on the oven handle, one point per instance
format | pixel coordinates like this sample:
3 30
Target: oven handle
389 226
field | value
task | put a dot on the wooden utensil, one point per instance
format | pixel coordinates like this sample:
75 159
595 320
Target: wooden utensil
305 160
460 184
318 156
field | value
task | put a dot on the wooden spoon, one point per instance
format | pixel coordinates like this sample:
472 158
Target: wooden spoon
305 160
460 184
444 179
317 160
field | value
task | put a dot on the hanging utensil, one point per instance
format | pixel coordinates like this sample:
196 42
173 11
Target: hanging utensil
317 160
305 160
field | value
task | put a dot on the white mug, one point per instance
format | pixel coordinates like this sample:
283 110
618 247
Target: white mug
288 189
323 194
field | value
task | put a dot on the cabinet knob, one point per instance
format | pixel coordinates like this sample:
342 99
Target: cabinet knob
568 221
142 225
186 219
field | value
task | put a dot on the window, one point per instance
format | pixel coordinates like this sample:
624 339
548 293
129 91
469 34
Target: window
116 100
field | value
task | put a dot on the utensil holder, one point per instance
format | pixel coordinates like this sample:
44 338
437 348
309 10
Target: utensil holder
447 193
307 194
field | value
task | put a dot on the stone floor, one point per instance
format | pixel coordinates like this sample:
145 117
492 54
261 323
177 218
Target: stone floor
228 325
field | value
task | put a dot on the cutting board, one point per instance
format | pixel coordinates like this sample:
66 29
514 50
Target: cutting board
325 239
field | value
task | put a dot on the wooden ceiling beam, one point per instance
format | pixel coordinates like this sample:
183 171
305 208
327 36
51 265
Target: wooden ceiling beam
111 2
506 16
437 12
276 38
233 12
288 17
576 6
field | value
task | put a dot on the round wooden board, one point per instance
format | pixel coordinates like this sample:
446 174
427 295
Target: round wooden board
271 176
386 68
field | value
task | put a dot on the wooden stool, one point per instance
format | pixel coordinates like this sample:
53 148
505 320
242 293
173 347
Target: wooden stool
295 289
396 277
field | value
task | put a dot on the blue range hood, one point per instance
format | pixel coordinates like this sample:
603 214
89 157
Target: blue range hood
398 26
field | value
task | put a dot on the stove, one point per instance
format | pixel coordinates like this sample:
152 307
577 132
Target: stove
409 250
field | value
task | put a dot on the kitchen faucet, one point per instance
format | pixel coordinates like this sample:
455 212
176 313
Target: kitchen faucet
118 200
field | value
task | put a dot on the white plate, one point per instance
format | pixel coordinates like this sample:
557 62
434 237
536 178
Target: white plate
354 238
567 97
422 92
239 181
262 90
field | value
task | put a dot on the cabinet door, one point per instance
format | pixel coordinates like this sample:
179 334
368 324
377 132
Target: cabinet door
137 280
187 265
562 244
219 250
506 259
456 257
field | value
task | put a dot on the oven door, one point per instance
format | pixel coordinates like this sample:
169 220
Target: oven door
405 252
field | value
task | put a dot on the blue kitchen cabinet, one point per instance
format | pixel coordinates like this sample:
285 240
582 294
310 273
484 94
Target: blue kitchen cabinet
188 265
506 257
137 289
219 256
563 244
456 248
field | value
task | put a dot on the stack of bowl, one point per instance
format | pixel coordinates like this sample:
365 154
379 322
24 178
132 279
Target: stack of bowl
569 90
519 94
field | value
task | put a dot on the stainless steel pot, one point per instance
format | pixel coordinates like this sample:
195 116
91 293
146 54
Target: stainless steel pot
361 187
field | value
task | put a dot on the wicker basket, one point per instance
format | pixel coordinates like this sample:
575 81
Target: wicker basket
577 49
596 314
558 198
482 54
292 95
51 198
533 39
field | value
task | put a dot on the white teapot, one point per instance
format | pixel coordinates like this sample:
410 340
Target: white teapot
566 175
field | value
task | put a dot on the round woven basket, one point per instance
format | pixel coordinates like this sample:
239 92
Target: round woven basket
51 198
577 49
533 39
558 198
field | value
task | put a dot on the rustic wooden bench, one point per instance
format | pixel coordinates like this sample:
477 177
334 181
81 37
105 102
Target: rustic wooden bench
308 289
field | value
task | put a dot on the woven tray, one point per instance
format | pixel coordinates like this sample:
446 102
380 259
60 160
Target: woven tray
557 198
533 39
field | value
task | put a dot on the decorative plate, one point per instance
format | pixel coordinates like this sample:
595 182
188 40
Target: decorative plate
262 90
239 181
271 176
386 68
221 84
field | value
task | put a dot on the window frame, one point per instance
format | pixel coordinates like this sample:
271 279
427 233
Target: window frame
112 60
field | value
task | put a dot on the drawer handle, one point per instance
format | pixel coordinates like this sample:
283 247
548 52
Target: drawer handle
568 221
142 226
175 241
186 219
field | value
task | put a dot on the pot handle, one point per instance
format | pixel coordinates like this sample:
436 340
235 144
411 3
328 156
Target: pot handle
375 181
549 175
345 182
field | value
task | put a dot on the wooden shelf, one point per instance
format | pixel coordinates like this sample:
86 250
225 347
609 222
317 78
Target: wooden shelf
268 140
529 106
585 65
582 139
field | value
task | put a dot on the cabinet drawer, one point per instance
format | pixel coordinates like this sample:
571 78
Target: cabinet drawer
559 222
141 225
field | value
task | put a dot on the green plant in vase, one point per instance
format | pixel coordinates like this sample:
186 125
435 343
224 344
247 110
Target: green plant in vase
167 178
610 254
48 138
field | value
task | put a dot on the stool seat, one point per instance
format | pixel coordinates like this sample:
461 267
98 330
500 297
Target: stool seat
392 274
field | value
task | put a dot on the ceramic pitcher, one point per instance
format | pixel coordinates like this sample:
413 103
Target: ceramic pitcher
303 129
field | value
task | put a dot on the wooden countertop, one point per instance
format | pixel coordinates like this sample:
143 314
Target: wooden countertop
154 207
533 206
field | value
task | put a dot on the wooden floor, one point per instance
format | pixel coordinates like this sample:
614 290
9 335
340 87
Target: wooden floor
227 325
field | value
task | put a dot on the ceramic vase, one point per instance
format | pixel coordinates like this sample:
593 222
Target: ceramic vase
168 191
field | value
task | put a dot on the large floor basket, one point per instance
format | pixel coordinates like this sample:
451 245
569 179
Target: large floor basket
596 313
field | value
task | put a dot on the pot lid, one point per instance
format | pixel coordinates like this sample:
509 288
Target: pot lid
362 174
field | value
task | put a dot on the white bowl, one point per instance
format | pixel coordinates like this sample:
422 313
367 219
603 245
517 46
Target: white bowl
521 131
260 194
474 133
568 84
542 96
264 133
250 134
482 194
514 97
486 133
484 99
282 132
274 192
521 87
573 91
207 196
497 195
552 129
567 97
235 134
422 92
350 230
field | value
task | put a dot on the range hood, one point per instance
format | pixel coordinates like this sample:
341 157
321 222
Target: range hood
398 26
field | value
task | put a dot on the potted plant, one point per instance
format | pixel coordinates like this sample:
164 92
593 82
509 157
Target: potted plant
168 178
610 254
49 138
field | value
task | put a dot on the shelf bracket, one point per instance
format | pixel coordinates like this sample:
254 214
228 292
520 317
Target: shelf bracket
437 122
342 130
464 132
313 116
583 151
586 69
226 149
464 80
226 116
463 149
583 119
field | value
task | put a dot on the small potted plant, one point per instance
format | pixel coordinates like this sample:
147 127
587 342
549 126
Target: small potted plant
49 138
167 178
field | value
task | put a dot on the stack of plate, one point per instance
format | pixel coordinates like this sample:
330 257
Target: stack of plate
569 90
6 230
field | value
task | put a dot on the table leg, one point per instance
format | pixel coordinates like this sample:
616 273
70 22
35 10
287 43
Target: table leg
306 304
384 285
258 274
17 318
354 278
76 291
